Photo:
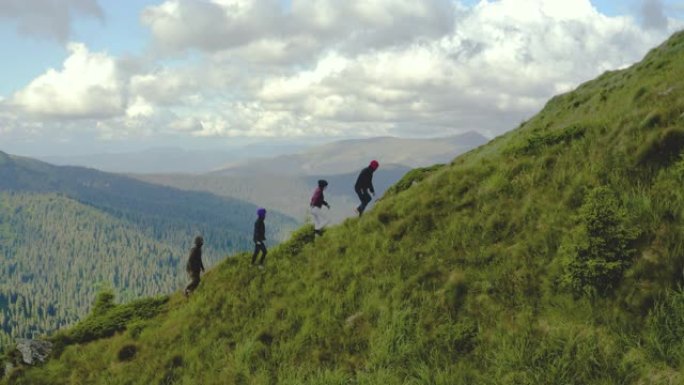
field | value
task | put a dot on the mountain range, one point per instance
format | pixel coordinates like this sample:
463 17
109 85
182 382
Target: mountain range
173 159
347 156
286 182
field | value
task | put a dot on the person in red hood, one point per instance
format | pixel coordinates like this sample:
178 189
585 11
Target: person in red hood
364 185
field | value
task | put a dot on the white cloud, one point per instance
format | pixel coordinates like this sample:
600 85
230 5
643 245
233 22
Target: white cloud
139 108
308 25
354 68
49 19
501 62
88 86
216 24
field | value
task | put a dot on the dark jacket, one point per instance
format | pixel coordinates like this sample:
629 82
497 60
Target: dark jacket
365 180
195 259
259 230
318 200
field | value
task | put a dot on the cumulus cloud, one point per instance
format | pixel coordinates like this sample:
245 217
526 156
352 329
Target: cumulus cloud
216 24
353 68
307 26
50 19
497 65
653 14
88 86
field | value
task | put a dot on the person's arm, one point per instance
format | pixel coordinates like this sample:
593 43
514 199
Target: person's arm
323 202
262 231
255 236
369 180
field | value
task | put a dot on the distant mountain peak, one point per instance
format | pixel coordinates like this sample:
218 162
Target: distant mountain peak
4 157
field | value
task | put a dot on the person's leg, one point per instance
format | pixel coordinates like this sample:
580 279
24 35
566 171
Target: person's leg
361 207
263 255
256 251
317 215
365 199
194 282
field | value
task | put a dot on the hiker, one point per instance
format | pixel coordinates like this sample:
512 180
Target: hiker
194 265
317 203
364 184
260 237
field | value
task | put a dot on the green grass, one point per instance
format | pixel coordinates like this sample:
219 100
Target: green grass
552 255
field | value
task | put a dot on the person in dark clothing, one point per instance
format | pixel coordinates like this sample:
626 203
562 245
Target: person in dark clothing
364 185
259 238
194 265
317 203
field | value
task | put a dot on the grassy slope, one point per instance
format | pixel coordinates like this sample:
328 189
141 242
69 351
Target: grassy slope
470 276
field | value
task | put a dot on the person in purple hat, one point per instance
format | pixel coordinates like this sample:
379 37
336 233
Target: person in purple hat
259 238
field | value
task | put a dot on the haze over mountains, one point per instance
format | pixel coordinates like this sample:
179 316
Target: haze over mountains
279 158
286 182
351 155
173 159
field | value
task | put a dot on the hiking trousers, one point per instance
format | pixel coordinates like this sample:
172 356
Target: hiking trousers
319 218
259 247
194 281
365 198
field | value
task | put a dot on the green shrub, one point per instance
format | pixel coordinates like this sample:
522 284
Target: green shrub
105 323
127 352
539 141
600 248
297 241
103 302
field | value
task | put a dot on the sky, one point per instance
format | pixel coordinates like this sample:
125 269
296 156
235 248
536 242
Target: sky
86 76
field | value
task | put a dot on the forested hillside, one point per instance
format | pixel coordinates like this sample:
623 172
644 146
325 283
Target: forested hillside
551 255
67 232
